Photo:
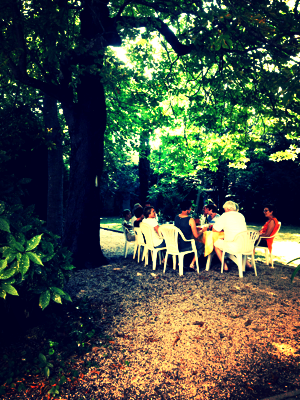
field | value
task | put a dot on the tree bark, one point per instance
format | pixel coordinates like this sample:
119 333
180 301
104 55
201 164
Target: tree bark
144 167
55 166
87 121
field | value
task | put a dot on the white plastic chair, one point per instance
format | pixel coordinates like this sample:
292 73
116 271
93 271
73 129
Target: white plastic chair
125 231
266 249
139 242
170 234
148 232
245 244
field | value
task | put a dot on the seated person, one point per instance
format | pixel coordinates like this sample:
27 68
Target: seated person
139 215
212 212
207 217
269 228
135 207
129 228
150 219
231 222
187 225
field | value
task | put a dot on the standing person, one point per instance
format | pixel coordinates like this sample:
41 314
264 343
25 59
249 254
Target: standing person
187 225
128 226
231 222
150 219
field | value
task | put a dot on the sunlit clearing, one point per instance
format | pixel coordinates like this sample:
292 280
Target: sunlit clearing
285 349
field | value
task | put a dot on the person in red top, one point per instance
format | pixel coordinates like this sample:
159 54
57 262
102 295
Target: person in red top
269 228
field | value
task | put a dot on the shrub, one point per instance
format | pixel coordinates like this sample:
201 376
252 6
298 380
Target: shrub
33 263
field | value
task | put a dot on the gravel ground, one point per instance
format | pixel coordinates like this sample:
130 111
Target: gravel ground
199 336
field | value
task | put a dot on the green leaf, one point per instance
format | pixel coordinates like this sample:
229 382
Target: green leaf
9 272
26 228
4 225
57 290
14 244
56 297
3 264
44 299
47 372
297 269
35 258
67 297
33 243
42 358
9 289
24 264
2 293
20 237
2 207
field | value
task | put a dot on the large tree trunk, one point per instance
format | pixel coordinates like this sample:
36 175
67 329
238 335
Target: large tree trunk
55 166
144 166
87 121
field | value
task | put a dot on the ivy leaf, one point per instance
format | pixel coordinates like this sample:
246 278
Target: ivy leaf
44 299
24 264
9 289
35 258
33 243
4 225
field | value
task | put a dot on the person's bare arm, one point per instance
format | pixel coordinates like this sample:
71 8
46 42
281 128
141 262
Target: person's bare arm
270 229
194 228
156 228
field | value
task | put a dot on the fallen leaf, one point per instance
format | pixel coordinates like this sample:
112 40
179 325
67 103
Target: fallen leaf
139 274
199 323
116 269
176 340
221 335
248 322
166 322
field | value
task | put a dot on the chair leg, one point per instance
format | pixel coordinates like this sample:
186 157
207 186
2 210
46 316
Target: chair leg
139 252
240 264
208 262
126 249
154 257
165 263
253 264
271 257
174 262
222 263
180 264
134 250
197 262
267 256
146 253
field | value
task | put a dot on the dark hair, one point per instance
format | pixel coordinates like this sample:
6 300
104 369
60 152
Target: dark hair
138 212
126 212
212 207
271 208
147 211
185 205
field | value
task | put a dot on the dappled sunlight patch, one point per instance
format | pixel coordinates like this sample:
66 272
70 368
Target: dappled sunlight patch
285 349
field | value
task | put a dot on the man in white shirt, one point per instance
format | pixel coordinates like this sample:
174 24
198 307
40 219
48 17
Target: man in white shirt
150 219
231 222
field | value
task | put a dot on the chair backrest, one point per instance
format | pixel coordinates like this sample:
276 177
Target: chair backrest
139 236
147 231
170 234
279 226
245 241
125 230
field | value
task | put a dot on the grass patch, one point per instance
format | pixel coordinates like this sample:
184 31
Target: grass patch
111 223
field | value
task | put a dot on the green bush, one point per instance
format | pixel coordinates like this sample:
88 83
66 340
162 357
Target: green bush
32 261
